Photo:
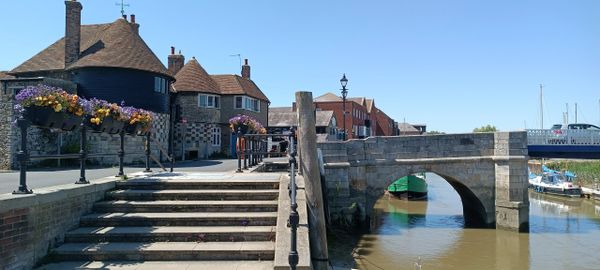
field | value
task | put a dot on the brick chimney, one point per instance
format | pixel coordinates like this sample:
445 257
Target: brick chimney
176 61
72 31
136 26
246 70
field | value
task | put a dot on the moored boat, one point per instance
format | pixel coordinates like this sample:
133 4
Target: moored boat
410 187
554 183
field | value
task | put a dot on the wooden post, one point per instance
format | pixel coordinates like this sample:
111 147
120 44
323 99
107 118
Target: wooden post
307 135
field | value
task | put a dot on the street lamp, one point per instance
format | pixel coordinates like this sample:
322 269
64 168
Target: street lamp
344 82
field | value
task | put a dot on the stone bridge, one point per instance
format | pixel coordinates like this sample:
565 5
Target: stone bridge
487 170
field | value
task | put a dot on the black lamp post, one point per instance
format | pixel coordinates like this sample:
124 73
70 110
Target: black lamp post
344 82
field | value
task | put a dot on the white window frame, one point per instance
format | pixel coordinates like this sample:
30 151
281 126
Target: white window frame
248 103
216 101
216 136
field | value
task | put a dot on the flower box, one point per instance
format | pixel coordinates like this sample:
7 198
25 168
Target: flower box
136 129
108 125
48 118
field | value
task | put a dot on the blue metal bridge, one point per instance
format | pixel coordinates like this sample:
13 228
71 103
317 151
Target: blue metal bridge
569 143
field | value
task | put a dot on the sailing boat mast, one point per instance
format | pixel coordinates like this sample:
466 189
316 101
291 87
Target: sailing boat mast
541 106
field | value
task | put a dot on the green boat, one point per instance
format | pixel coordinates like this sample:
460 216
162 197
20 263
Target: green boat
410 187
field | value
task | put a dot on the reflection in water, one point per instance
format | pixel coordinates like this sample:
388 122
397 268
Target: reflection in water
564 234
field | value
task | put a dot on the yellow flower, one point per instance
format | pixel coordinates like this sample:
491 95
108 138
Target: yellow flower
58 107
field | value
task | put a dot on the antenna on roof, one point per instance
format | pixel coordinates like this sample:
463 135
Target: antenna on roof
123 5
239 57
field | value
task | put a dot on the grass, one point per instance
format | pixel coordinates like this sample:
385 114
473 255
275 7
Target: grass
588 172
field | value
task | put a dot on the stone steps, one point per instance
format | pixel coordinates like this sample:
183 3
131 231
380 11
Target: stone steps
224 221
185 206
210 194
166 251
153 184
160 265
181 219
171 233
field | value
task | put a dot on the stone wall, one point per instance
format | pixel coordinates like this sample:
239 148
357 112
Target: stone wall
30 225
488 170
195 137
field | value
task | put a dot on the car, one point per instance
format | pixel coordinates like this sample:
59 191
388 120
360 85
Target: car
583 126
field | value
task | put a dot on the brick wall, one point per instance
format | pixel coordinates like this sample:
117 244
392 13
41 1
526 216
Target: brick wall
30 225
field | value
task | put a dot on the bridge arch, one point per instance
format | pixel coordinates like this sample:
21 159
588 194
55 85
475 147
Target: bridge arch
488 171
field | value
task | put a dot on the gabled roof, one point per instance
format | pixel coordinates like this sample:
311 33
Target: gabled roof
193 78
328 97
283 118
406 127
102 45
359 100
4 75
370 104
236 85
280 109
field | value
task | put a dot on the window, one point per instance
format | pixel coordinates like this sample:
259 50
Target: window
247 103
209 101
216 136
160 85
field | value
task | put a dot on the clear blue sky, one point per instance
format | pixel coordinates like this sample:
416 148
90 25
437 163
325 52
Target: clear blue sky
454 65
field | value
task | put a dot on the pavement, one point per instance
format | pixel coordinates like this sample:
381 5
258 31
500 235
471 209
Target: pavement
47 177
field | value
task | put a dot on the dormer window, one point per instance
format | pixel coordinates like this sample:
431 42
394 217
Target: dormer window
209 101
247 103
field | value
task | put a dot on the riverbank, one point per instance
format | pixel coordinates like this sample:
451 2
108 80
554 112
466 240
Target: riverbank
588 172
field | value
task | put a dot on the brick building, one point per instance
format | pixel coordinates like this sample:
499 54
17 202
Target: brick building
363 118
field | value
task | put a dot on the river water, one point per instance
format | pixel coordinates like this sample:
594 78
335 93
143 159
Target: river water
564 234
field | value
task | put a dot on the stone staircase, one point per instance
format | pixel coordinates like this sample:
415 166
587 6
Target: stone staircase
223 221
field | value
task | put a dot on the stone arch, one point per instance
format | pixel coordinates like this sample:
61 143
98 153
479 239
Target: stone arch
472 182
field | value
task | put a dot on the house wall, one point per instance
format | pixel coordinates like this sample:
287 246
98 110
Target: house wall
135 87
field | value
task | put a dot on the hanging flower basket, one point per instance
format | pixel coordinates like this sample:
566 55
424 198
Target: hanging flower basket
137 121
108 125
104 117
245 123
49 107
48 118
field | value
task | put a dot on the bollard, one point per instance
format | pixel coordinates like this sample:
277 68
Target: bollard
148 153
23 158
121 152
82 155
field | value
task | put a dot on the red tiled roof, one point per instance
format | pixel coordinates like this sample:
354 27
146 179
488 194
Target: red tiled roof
193 78
236 85
102 45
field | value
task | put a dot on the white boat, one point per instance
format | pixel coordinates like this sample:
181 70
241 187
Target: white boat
554 183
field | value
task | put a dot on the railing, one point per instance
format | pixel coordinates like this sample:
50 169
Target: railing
23 156
252 148
563 137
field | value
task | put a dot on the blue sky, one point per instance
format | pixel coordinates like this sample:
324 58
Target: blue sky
454 65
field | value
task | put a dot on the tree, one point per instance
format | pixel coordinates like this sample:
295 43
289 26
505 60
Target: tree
435 132
487 128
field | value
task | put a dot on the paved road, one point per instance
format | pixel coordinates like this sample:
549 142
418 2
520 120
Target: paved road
39 178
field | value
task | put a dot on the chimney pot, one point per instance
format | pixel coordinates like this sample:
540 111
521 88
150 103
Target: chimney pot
246 61
172 50
125 17
132 16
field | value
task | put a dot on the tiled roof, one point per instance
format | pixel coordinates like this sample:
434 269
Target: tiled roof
102 45
236 85
281 118
406 127
279 109
328 97
360 100
193 78
4 75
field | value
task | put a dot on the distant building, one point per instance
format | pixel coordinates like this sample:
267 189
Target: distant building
411 129
109 61
282 118
207 102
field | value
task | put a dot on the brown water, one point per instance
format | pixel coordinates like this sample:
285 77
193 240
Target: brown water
564 234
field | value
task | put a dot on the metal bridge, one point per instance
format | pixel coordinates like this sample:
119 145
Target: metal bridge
563 143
